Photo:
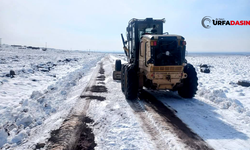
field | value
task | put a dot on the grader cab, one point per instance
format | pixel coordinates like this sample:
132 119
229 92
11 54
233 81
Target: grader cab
156 60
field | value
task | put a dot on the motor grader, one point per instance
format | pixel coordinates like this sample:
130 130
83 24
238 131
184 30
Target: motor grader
156 60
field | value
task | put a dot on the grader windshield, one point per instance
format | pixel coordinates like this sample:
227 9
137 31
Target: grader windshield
149 28
136 29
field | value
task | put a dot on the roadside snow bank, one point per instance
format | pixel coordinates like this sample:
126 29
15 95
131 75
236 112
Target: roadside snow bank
220 87
34 111
220 98
38 95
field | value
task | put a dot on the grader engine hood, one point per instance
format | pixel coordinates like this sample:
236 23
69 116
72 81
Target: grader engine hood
166 49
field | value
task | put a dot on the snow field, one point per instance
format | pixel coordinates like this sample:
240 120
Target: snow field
38 95
47 85
220 88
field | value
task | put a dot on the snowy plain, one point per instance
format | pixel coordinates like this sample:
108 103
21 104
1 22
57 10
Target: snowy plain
47 85
42 92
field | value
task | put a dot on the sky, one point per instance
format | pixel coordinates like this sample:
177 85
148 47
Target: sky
96 25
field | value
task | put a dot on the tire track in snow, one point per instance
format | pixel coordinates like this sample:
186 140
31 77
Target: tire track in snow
116 126
166 122
154 125
74 132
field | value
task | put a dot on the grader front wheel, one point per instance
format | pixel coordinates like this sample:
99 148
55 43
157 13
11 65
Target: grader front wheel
130 82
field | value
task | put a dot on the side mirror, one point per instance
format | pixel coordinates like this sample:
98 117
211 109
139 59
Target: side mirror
127 29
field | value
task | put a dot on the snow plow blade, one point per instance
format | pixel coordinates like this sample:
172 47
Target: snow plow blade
116 75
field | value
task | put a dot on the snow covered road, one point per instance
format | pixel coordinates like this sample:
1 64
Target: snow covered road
121 124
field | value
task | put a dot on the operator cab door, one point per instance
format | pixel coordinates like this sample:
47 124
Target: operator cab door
141 53
131 42
144 54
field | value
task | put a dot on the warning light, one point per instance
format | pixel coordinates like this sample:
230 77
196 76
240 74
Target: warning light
152 75
184 43
153 43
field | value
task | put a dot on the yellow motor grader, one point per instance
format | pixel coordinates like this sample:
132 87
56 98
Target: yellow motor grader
156 60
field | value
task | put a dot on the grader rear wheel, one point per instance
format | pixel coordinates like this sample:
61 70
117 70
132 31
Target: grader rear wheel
189 88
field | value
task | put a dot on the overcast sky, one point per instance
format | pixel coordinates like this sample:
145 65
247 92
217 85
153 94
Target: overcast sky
97 24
